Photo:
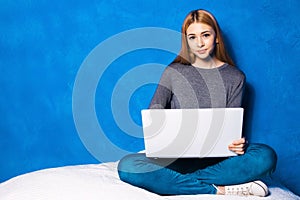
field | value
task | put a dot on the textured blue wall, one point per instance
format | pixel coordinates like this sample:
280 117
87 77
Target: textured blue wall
43 43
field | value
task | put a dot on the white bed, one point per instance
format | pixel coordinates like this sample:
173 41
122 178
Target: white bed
97 181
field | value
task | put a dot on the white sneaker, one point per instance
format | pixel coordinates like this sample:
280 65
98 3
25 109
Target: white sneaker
256 188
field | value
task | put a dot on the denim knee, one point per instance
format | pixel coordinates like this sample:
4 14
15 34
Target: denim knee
265 156
127 170
125 165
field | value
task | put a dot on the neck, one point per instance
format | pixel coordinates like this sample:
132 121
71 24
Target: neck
207 63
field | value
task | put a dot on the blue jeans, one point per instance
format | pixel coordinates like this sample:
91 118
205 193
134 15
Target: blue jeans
194 175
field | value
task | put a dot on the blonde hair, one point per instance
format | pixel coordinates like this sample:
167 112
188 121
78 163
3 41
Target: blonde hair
202 16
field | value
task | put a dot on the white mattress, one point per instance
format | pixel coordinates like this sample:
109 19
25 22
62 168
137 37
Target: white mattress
96 181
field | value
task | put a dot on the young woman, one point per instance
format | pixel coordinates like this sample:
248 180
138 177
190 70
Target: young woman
202 76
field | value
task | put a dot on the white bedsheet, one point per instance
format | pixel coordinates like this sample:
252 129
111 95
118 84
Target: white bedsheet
97 181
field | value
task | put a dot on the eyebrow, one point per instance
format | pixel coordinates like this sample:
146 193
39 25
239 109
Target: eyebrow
200 33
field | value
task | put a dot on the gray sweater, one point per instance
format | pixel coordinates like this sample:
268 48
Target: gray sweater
186 86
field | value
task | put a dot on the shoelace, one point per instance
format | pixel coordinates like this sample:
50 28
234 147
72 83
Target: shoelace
242 191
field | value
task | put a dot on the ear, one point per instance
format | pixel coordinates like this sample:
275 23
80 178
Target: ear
217 41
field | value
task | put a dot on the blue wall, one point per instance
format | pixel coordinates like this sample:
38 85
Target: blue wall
43 44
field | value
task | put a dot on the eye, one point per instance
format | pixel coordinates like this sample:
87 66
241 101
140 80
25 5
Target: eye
206 35
191 37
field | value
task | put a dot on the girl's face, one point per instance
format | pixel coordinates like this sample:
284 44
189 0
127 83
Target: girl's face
201 40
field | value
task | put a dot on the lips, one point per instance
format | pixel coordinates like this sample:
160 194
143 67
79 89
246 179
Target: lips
201 51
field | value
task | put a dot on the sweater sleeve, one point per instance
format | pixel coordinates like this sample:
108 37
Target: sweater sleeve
163 94
236 96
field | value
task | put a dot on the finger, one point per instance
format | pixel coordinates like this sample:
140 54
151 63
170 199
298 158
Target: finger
240 141
237 145
237 150
240 147
240 152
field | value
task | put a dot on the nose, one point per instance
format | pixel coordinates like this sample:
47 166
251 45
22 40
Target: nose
200 42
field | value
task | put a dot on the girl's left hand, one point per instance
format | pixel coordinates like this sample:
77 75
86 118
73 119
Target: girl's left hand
238 146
